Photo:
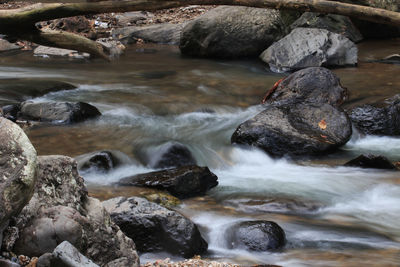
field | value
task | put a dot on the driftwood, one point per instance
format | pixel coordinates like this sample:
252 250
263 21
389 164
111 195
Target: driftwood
20 23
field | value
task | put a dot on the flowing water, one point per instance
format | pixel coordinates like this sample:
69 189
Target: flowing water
332 215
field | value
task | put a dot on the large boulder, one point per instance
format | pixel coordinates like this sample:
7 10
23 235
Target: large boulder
371 161
166 33
373 120
169 155
315 85
255 236
231 32
298 129
104 160
61 210
309 47
331 22
18 169
182 182
57 112
155 228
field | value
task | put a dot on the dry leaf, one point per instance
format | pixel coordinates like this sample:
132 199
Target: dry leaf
322 124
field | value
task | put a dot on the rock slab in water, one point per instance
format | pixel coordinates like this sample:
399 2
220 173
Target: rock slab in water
182 182
45 51
231 32
155 228
256 236
331 22
314 85
61 210
371 161
57 112
298 129
169 155
18 170
67 255
378 120
307 47
166 33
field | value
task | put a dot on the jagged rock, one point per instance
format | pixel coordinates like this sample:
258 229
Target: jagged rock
378 120
232 32
314 85
371 161
114 48
307 47
155 228
166 33
298 129
57 112
102 160
256 236
182 182
18 169
331 22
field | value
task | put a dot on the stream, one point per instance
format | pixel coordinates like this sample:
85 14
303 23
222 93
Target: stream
332 215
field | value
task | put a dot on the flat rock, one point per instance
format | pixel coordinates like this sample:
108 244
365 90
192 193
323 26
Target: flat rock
308 47
155 228
7 46
18 170
371 161
182 182
45 51
299 129
232 32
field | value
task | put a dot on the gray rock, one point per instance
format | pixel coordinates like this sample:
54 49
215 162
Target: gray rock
331 22
45 260
155 228
45 51
166 33
18 170
371 161
57 112
298 129
102 160
306 47
256 236
114 48
232 32
314 85
66 255
7 46
182 182
61 210
129 18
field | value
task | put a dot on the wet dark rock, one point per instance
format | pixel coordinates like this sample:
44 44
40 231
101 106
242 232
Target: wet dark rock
371 161
166 33
182 182
18 169
298 129
314 85
113 47
60 210
45 260
373 120
308 47
14 91
232 32
71 24
391 59
331 22
57 112
102 160
8 263
256 236
169 155
11 112
66 255
155 228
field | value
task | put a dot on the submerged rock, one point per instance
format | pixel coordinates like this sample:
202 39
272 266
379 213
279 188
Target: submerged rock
18 171
169 155
102 160
314 85
231 32
155 228
57 112
255 236
307 47
371 161
378 120
331 22
166 33
182 182
298 129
